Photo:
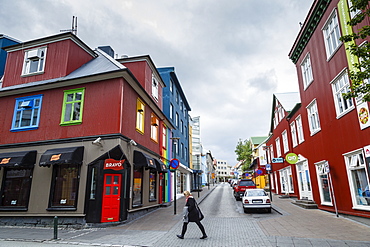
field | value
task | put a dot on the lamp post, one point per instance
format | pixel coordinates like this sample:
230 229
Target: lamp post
175 140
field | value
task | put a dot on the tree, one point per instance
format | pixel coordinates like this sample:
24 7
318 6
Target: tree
244 152
360 74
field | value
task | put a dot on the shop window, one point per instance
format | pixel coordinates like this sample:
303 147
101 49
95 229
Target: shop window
137 191
286 180
72 107
65 183
27 113
152 186
140 110
358 179
34 61
16 187
323 182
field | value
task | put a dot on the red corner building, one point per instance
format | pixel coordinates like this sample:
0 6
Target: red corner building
322 138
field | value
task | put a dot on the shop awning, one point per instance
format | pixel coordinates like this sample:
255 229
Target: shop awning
18 159
161 167
143 160
58 156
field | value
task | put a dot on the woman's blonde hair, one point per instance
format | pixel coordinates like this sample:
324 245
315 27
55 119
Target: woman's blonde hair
187 193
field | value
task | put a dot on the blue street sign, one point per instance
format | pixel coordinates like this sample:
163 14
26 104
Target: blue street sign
277 160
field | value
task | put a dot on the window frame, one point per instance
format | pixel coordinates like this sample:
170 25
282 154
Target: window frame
137 199
64 122
285 141
28 60
153 180
322 171
154 127
18 108
140 116
300 133
328 38
313 117
155 88
293 132
306 69
342 106
350 166
278 147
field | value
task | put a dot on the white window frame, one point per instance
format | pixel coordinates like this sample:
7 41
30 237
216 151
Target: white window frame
289 183
155 88
36 56
352 13
341 85
321 169
306 69
355 161
278 148
285 141
313 117
293 132
331 33
171 111
300 134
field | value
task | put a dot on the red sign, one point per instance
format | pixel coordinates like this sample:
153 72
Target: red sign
174 163
113 164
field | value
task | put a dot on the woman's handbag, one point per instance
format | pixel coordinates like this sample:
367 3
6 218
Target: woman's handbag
185 214
200 214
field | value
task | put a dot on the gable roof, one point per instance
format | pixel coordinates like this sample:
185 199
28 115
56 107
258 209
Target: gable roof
289 101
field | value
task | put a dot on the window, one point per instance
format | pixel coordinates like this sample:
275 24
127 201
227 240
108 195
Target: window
137 192
341 85
177 120
65 186
331 34
293 132
355 12
140 110
278 148
27 113
285 142
323 182
281 113
164 137
286 180
272 154
298 121
154 88
72 106
313 118
306 71
182 126
171 86
152 185
16 187
177 97
171 111
34 61
154 128
358 179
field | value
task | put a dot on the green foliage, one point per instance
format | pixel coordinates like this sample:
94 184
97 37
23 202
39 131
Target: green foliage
244 152
360 75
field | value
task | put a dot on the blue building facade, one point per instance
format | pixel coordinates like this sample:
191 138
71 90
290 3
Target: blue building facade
176 108
5 41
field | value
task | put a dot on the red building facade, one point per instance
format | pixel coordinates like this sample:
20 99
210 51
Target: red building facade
329 134
81 135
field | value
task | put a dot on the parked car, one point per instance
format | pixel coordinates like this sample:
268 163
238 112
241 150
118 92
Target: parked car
241 186
256 199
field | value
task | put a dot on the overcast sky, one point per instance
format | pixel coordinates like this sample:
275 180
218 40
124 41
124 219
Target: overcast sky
229 55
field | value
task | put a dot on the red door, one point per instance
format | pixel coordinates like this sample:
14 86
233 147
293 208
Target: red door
111 198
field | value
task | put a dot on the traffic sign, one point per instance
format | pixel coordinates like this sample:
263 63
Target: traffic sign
268 167
174 164
277 160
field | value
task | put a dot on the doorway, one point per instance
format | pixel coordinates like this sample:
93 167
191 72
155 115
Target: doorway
111 197
304 181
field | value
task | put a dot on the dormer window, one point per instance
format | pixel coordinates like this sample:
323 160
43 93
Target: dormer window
154 88
34 61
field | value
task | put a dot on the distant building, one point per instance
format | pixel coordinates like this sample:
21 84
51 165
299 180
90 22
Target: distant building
224 171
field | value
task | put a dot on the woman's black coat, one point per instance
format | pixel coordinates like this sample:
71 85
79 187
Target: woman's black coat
193 211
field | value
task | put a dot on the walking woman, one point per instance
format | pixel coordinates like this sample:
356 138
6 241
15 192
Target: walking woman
193 215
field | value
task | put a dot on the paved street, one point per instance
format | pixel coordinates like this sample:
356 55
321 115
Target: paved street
225 222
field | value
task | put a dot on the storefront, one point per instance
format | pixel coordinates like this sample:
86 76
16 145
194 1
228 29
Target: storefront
79 183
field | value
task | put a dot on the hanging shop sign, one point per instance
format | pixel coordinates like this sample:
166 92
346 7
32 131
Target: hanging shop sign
291 158
277 160
113 164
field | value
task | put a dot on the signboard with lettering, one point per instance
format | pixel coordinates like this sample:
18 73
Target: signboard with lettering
113 164
277 160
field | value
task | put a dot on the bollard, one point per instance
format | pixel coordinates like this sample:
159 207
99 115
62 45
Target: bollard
55 227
